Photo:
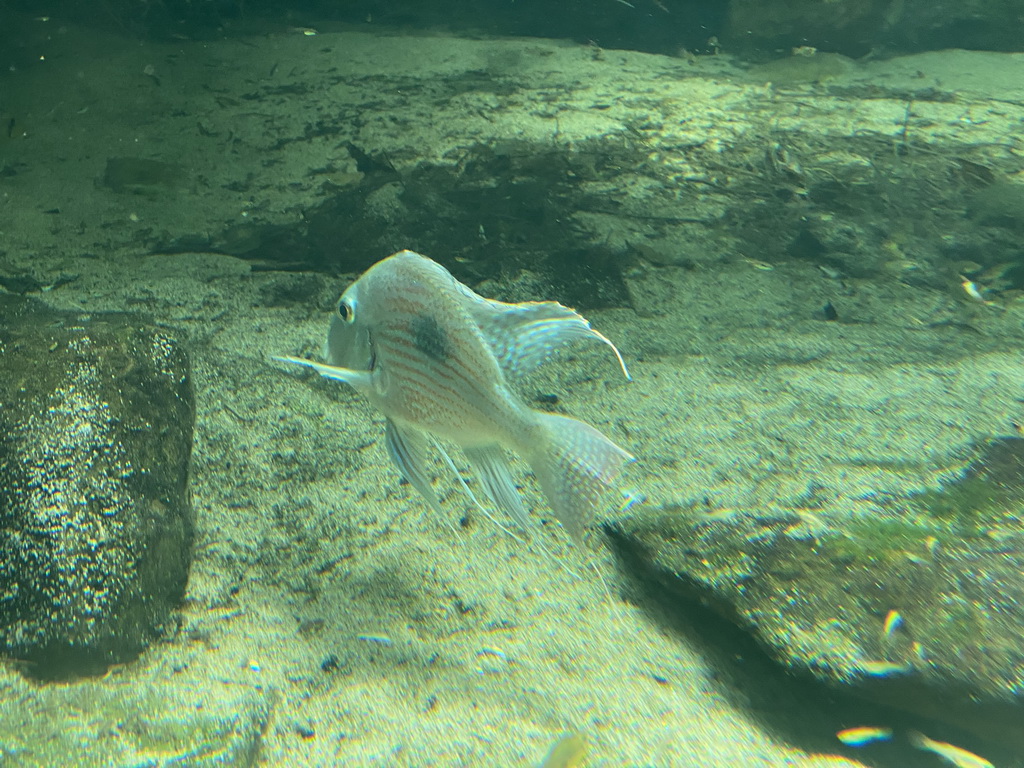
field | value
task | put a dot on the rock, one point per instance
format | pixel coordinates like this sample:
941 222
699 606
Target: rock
848 26
826 165
1001 203
141 175
96 526
122 723
995 25
940 569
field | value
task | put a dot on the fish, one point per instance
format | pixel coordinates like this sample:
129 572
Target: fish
919 652
893 621
435 358
863 735
953 755
885 668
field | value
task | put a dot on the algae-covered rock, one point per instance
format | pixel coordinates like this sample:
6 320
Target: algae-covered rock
99 723
918 607
798 69
96 526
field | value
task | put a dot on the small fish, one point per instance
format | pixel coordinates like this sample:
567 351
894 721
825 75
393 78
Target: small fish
956 756
919 652
884 668
971 289
377 639
893 621
859 737
974 292
433 356
495 652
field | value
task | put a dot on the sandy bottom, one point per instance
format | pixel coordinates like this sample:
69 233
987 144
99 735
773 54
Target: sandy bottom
388 636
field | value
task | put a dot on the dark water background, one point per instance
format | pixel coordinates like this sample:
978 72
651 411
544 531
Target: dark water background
850 27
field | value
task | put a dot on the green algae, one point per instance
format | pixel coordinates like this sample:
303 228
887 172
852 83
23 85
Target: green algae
988 498
884 539
980 506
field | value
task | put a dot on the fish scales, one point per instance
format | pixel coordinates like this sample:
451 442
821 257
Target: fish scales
441 376
433 356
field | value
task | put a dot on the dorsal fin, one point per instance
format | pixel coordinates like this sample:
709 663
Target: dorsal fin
523 336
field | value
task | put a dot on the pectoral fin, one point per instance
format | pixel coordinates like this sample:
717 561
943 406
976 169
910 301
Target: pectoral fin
358 380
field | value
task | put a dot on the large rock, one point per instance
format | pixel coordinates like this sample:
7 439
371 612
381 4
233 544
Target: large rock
96 527
107 723
917 608
550 159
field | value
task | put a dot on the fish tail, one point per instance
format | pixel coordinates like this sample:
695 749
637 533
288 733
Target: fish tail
576 466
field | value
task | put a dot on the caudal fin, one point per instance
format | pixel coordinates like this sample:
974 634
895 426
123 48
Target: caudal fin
576 466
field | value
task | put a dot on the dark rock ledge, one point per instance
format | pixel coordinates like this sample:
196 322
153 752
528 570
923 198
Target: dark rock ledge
948 563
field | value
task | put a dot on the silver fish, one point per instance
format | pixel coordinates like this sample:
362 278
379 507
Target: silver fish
432 356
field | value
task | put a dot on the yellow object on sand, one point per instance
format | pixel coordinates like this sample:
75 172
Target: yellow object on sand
570 751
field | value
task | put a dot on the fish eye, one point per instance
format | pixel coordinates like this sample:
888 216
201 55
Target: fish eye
346 311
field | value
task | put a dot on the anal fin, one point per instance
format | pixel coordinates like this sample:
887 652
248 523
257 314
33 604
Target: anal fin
491 467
